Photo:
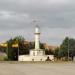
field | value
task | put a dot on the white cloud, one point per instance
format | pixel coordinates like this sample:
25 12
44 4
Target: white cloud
9 15
5 15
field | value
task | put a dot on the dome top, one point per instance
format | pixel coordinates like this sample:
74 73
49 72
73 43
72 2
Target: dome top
37 28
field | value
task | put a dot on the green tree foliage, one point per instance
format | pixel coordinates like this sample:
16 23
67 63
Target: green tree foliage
10 49
42 46
2 49
13 52
68 44
56 51
31 45
49 52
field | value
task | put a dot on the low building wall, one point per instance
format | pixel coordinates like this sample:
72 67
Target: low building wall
36 58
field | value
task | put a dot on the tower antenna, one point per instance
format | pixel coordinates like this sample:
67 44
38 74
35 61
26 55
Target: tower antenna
35 24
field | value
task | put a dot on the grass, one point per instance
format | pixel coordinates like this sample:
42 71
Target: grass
3 58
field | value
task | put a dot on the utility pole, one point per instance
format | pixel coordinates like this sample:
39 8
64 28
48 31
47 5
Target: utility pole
7 51
68 49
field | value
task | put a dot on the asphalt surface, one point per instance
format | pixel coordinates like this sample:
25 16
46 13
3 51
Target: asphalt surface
37 69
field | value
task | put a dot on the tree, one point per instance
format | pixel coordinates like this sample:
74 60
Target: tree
42 46
13 52
10 49
56 51
31 45
68 44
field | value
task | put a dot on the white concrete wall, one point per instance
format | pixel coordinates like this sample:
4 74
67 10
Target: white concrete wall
35 58
37 53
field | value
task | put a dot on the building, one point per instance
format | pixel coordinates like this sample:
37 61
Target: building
36 54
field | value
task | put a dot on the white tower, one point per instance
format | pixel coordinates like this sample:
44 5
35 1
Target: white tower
37 38
36 54
37 51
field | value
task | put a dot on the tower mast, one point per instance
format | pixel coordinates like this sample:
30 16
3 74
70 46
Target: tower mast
37 38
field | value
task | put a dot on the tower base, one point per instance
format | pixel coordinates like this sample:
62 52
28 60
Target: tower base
37 52
36 55
36 58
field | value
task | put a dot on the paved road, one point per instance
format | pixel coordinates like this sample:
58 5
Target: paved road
37 69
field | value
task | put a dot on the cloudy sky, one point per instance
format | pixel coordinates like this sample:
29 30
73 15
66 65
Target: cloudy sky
56 19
